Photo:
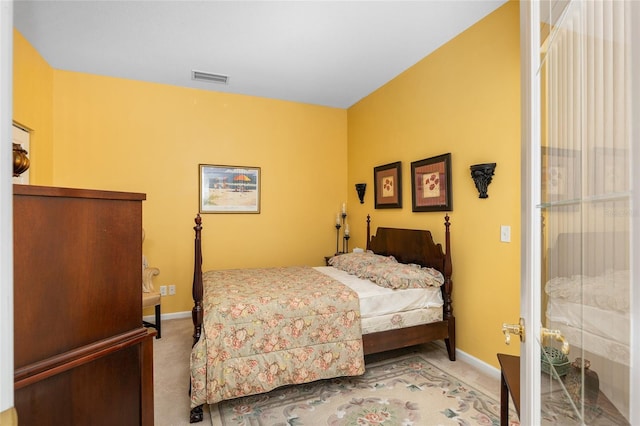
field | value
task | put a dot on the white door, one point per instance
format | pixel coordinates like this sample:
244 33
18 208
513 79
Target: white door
579 75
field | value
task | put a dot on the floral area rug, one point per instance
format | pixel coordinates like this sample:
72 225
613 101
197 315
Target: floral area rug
398 392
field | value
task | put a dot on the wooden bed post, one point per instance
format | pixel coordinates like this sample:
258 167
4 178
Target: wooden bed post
196 415
447 313
196 312
368 231
448 269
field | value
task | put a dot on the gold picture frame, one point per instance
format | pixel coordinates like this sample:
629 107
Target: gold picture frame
229 189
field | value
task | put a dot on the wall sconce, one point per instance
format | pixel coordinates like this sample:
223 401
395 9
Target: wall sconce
482 175
361 188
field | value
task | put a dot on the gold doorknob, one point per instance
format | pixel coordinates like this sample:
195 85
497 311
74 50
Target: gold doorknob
509 329
557 335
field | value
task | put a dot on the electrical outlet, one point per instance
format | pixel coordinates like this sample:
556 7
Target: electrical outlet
163 290
172 290
505 233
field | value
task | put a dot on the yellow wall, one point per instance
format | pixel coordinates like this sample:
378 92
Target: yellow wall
33 107
134 136
463 99
142 137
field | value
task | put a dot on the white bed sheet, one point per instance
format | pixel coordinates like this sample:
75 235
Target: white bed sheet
378 301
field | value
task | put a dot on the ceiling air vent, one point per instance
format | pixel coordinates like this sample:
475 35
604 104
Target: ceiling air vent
208 76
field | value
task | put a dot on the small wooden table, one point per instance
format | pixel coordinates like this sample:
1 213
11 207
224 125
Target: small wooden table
509 383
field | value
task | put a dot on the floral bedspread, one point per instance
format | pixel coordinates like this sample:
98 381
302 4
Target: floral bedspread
269 327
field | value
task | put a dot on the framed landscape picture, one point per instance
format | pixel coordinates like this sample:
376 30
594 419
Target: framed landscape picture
229 189
431 184
387 183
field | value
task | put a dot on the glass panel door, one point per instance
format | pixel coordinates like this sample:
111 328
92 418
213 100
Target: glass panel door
585 212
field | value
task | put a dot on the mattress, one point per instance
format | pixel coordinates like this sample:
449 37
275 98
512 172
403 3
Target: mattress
581 339
377 301
612 325
400 320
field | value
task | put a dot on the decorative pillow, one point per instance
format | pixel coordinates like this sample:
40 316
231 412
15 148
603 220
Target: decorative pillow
355 263
400 275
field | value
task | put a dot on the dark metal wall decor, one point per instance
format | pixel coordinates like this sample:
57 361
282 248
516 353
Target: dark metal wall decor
360 189
482 175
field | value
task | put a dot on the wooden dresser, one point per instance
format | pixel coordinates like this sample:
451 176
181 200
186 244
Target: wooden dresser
81 353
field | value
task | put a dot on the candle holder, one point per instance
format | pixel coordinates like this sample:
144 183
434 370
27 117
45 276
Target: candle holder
345 243
341 220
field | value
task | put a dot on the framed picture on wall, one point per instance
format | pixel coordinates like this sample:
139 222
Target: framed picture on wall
387 183
229 189
561 175
612 175
431 184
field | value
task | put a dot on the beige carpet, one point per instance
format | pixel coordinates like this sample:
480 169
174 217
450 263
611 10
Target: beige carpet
171 374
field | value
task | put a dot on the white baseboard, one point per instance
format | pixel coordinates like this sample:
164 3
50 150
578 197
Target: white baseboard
173 315
480 365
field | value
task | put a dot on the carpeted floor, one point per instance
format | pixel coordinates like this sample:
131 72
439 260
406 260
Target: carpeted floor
171 375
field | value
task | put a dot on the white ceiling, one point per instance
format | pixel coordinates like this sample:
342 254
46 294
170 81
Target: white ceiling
330 53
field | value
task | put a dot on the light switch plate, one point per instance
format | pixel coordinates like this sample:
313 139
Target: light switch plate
505 233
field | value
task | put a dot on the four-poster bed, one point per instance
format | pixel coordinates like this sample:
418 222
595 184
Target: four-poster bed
307 324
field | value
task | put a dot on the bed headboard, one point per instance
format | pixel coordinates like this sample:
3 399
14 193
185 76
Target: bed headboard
411 246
